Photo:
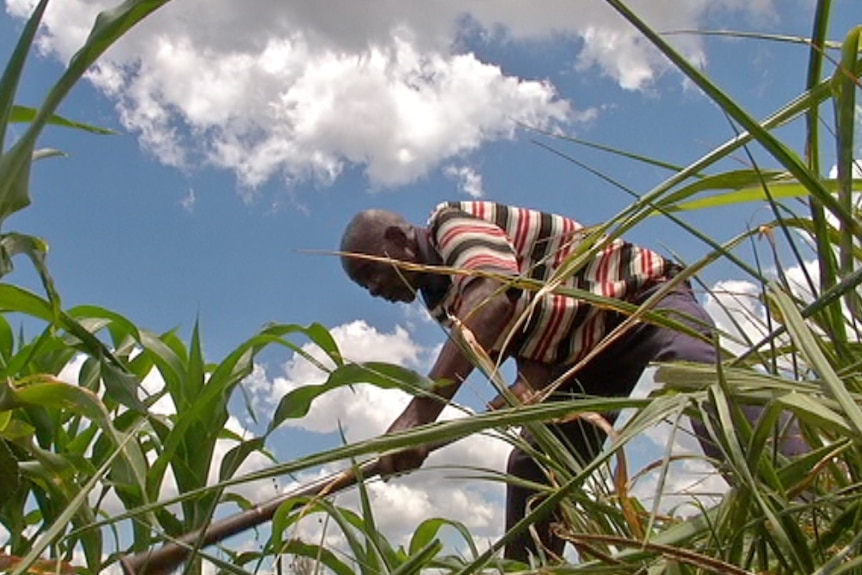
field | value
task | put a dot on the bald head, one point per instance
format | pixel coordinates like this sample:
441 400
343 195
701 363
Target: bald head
368 229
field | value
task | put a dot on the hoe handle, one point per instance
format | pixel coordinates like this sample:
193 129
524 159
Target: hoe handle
165 559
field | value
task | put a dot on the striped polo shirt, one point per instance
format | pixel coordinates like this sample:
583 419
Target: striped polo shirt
518 242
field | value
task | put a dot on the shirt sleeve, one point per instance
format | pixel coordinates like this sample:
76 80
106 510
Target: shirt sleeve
470 243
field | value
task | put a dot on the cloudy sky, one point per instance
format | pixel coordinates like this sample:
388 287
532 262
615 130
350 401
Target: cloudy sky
250 132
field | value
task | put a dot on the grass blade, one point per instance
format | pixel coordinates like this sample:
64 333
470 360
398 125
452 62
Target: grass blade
12 72
24 114
810 349
774 146
779 189
65 517
844 84
109 26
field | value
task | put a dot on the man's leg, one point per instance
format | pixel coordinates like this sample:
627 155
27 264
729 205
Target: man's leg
585 441
613 373
671 346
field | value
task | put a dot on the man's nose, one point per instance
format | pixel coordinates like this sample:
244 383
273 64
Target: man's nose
374 289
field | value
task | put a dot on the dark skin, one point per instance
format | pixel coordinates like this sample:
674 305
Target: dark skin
485 311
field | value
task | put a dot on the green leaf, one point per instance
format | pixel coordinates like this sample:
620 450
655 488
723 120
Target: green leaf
296 403
348 521
844 85
321 337
12 73
319 554
74 506
377 558
237 455
14 429
428 530
44 153
752 35
90 375
801 468
780 151
10 475
420 559
7 341
616 151
200 422
24 114
196 370
170 365
122 387
779 189
810 348
15 186
734 180
15 299
46 392
36 249
816 412
15 165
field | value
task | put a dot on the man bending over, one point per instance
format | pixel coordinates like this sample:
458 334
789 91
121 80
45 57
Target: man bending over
511 242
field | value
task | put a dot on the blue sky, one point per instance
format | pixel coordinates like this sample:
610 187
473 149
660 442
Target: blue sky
229 163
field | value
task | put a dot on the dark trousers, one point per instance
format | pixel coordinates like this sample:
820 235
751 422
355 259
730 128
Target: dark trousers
614 373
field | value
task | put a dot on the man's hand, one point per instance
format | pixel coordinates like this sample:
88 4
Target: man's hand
414 415
521 391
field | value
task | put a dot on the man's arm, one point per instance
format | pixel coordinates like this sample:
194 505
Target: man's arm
485 311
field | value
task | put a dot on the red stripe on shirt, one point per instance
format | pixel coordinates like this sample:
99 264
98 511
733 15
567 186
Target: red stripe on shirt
553 324
480 261
524 223
604 267
456 232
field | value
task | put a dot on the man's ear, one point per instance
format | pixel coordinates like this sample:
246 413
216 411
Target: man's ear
398 236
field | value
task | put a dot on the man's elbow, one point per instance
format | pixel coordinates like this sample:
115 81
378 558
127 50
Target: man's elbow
501 307
492 304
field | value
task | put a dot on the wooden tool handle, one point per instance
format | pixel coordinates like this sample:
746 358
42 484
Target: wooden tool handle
165 559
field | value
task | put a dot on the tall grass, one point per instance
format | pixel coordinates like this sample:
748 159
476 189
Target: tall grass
781 515
66 449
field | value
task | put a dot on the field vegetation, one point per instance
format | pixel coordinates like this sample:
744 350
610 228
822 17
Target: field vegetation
66 449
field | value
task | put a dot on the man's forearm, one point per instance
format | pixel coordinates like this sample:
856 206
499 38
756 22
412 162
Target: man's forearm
490 314
449 371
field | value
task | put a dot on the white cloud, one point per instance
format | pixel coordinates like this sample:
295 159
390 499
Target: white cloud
469 180
416 314
189 201
736 309
299 90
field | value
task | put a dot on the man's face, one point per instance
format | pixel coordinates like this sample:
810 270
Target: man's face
384 280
